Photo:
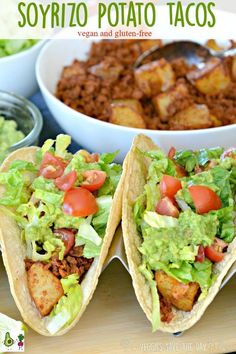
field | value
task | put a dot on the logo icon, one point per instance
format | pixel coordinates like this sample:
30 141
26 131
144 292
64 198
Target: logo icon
12 341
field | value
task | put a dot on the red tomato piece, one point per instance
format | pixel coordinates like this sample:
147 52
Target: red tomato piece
169 186
51 166
220 243
212 254
79 202
204 199
67 237
171 153
66 182
200 257
166 207
94 179
180 171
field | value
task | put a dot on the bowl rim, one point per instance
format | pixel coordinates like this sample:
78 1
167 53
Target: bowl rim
16 56
44 89
36 118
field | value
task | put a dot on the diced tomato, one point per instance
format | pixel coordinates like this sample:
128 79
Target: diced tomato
166 207
89 158
79 202
220 243
180 171
201 254
51 166
169 186
204 199
94 179
215 251
171 153
66 182
214 255
94 157
67 237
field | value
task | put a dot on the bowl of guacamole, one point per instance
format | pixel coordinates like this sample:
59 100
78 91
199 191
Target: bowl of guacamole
20 123
14 46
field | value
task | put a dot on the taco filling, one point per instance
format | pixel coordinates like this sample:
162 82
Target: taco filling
61 204
186 217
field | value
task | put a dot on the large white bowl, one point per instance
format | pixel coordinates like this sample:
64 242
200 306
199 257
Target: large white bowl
17 71
95 135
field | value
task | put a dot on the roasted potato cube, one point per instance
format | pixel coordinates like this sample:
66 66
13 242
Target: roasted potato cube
167 103
149 43
212 44
212 79
45 289
155 77
234 68
106 70
132 103
194 117
127 116
180 295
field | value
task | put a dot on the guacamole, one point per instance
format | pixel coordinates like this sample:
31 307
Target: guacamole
10 46
9 135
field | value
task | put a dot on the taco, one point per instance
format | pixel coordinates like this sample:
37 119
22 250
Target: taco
178 223
58 214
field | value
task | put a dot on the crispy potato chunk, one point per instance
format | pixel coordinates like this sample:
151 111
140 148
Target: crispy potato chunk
212 44
234 68
155 77
125 115
194 117
149 43
167 103
180 295
44 287
106 70
212 79
132 103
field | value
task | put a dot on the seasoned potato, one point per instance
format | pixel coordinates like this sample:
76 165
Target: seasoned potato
194 117
234 68
132 103
167 103
180 295
106 71
149 43
44 287
155 77
212 44
212 79
127 116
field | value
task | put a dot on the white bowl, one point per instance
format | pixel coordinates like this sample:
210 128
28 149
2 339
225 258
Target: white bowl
95 135
17 71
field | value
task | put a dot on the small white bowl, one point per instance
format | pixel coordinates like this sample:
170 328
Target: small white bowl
17 71
95 135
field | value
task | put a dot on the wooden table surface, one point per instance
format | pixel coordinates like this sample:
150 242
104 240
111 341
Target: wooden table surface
114 323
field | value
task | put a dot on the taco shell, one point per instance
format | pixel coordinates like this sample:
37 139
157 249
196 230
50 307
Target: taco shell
136 174
14 253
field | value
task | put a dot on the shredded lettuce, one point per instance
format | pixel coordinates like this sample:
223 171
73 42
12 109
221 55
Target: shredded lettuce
68 306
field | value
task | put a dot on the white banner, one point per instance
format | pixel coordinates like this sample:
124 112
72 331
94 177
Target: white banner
117 19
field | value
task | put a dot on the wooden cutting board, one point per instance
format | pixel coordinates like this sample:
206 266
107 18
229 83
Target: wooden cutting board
115 323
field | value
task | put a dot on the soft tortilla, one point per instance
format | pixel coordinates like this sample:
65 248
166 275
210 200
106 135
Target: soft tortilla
14 253
136 174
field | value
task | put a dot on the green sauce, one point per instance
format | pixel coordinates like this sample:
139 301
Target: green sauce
9 135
